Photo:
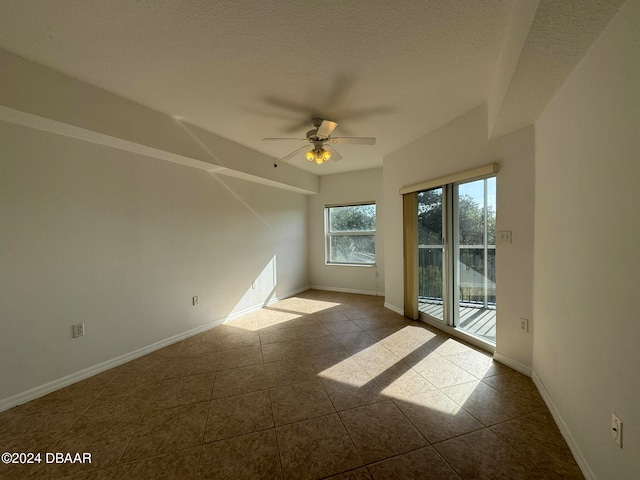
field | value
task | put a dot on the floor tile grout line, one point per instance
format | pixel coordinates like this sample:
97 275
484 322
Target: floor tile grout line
411 422
206 421
507 444
523 453
362 464
79 416
218 440
473 430
275 432
119 461
432 446
451 466
529 406
195 475
143 458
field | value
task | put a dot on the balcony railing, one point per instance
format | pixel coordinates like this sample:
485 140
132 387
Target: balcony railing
475 275
475 280
430 272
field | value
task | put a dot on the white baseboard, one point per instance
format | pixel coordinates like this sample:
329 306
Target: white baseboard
393 308
347 290
509 362
41 390
292 293
564 429
32 394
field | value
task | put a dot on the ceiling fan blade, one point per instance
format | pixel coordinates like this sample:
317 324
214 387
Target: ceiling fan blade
290 139
289 105
296 127
335 156
294 153
365 112
326 127
354 140
341 86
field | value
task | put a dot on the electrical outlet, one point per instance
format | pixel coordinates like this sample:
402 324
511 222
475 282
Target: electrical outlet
194 300
78 330
524 325
253 285
616 429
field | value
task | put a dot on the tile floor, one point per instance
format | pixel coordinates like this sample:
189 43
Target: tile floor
319 385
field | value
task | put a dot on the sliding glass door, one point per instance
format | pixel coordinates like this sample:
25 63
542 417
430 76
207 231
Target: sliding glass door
431 254
456 256
474 236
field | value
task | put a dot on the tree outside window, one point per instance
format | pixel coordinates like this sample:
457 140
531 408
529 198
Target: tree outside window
351 234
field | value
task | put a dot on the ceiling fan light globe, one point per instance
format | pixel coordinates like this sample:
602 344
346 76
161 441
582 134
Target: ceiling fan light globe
319 141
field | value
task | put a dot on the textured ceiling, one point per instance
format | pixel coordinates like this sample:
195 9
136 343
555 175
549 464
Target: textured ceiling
250 69
561 33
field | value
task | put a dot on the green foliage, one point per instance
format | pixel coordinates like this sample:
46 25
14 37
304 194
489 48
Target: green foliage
471 229
471 222
430 281
470 218
352 248
430 217
355 218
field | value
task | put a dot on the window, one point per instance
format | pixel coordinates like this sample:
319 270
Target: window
351 234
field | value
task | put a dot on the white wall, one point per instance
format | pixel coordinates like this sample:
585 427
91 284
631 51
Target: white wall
122 242
39 97
587 267
364 185
458 146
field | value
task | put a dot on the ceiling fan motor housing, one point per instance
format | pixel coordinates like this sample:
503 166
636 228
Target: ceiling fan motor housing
311 135
319 138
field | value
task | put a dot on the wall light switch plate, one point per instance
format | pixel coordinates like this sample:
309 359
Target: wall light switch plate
504 236
616 429
194 300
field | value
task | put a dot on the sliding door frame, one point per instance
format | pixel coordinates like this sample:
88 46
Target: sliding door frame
450 231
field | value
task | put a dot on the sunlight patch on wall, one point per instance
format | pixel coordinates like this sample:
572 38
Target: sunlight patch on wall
260 290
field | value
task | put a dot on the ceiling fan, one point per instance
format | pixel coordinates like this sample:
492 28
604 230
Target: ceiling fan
320 139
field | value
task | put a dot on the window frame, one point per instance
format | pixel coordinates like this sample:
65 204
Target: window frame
349 233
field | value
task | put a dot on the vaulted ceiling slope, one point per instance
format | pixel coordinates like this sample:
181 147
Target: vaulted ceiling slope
238 71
